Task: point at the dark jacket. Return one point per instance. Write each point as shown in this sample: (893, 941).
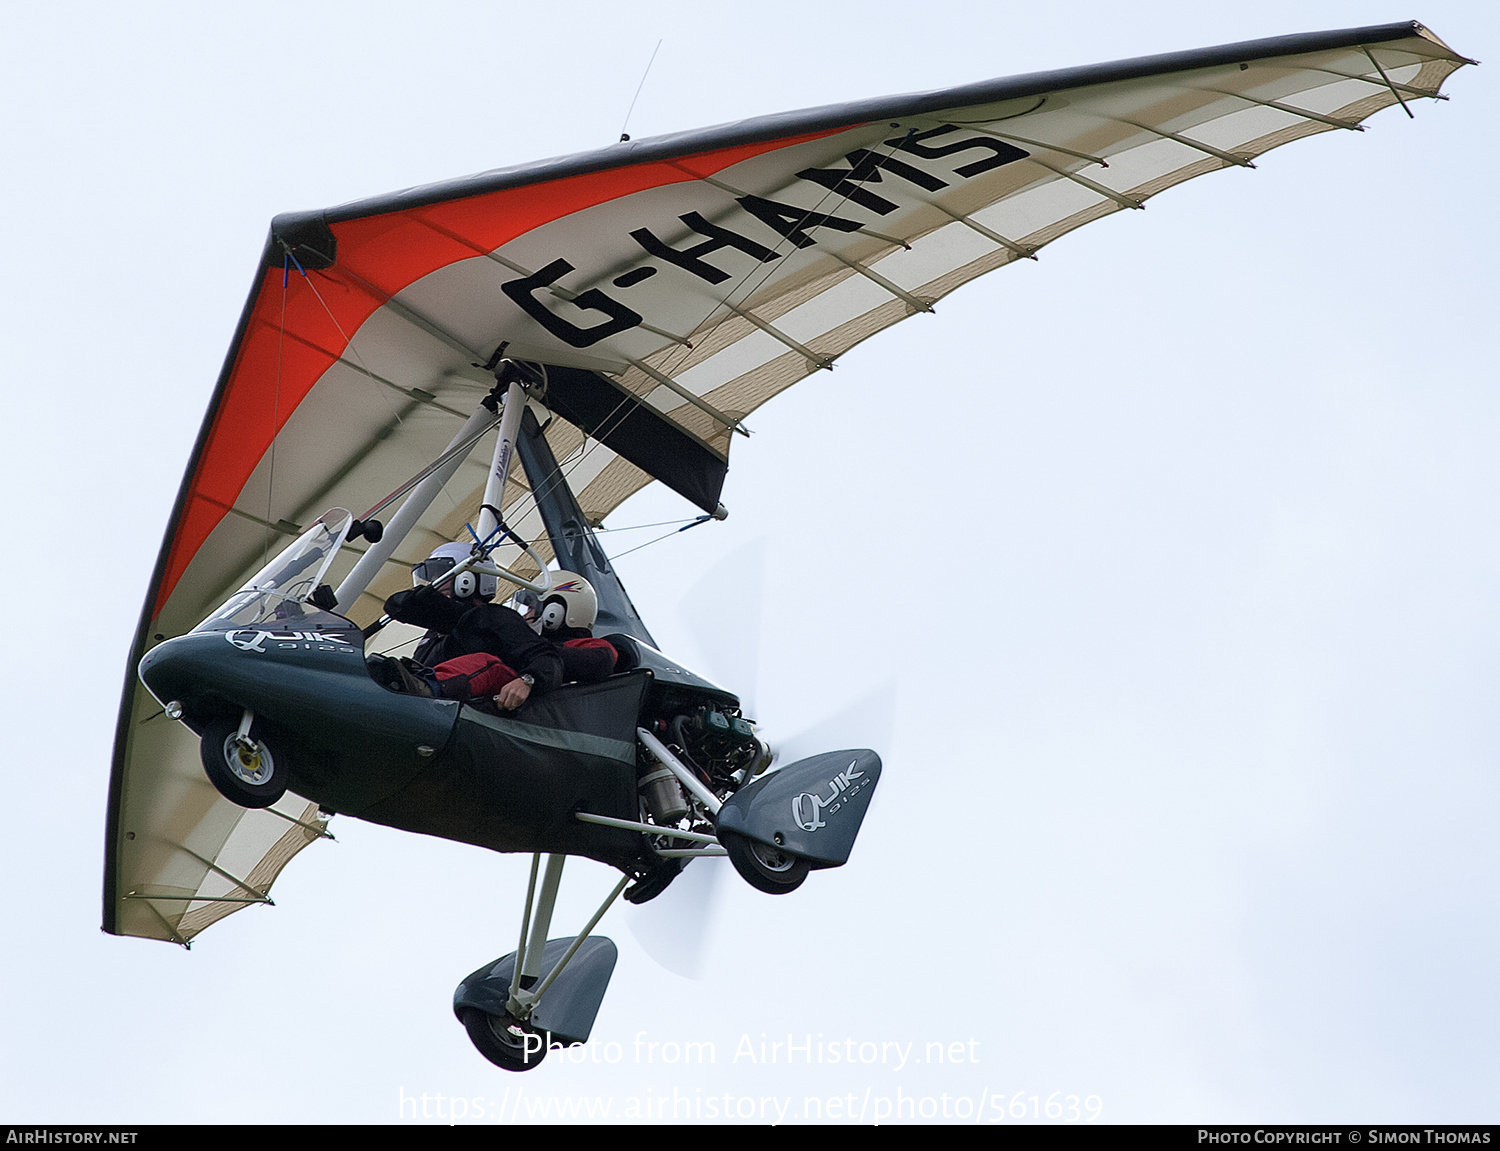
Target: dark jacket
(585, 659)
(468, 627)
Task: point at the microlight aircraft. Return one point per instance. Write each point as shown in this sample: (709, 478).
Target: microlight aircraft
(609, 319)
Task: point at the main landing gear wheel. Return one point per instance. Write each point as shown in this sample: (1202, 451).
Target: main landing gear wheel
(764, 867)
(246, 773)
(503, 1041)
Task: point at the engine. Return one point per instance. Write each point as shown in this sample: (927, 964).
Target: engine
(716, 743)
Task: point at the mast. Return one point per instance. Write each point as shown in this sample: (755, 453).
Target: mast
(573, 541)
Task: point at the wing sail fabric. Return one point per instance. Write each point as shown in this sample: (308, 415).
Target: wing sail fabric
(684, 281)
(194, 857)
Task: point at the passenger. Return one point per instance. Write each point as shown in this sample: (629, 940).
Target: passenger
(460, 620)
(565, 615)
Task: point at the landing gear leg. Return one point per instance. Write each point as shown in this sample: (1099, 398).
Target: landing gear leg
(509, 1039)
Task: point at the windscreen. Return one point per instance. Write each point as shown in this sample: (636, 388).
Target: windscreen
(277, 594)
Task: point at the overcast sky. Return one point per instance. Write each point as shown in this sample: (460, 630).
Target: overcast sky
(1162, 571)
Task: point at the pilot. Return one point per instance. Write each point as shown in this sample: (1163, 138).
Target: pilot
(461, 620)
(565, 616)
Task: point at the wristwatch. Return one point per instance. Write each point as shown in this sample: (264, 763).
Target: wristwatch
(529, 680)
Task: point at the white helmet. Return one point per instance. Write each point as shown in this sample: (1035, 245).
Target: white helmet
(569, 602)
(444, 558)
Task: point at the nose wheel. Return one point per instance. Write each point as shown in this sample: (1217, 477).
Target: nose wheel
(241, 764)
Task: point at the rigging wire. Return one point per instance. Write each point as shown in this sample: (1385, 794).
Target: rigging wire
(658, 539)
(411, 643)
(681, 354)
(348, 343)
(560, 469)
(623, 135)
(564, 469)
(765, 269)
(565, 473)
(567, 467)
(265, 547)
(642, 527)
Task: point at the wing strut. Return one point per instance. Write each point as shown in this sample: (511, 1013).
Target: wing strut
(402, 522)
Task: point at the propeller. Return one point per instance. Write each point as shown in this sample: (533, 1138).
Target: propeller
(866, 721)
(675, 927)
(723, 611)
